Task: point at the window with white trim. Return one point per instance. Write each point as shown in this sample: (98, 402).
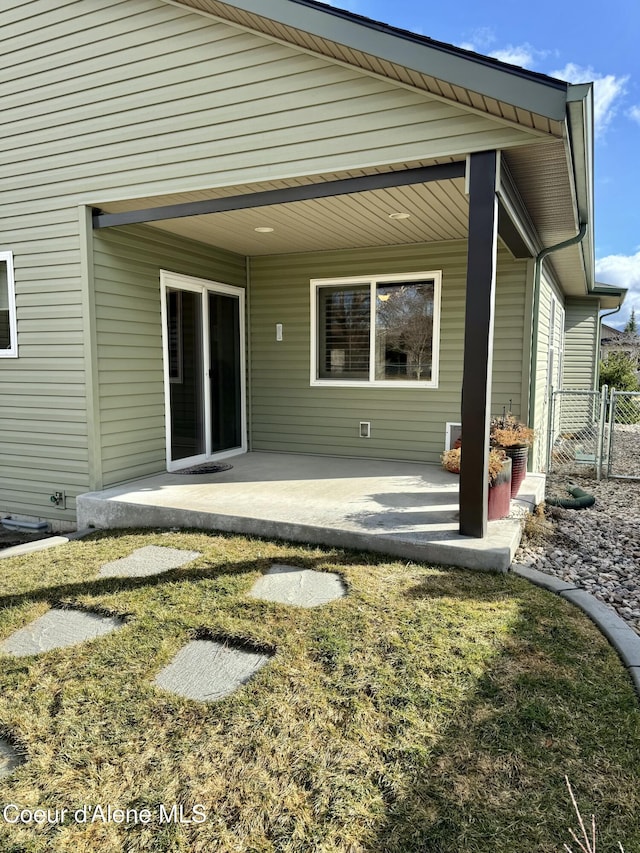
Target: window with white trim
(8, 328)
(376, 330)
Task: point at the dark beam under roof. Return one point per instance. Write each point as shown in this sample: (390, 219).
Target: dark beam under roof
(343, 186)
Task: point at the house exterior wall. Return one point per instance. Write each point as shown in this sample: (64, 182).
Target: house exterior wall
(130, 383)
(543, 378)
(291, 416)
(180, 101)
(43, 434)
(581, 344)
(287, 414)
(104, 101)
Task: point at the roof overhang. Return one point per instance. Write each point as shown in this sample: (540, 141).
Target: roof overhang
(580, 149)
(535, 92)
(400, 54)
(610, 296)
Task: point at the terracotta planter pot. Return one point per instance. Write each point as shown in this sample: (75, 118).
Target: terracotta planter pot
(519, 455)
(500, 494)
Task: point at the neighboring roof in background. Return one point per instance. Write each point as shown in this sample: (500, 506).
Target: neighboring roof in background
(608, 333)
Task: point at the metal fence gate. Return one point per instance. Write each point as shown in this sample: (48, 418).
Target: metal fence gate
(576, 425)
(594, 433)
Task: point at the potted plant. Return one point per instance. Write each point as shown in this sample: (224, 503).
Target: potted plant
(499, 479)
(451, 460)
(515, 438)
(500, 468)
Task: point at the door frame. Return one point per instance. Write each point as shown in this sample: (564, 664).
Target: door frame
(179, 281)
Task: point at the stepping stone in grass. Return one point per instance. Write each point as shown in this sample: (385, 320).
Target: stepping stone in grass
(150, 560)
(58, 629)
(207, 670)
(9, 758)
(300, 587)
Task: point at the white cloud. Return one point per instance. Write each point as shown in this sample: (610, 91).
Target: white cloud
(522, 55)
(607, 91)
(623, 270)
(481, 37)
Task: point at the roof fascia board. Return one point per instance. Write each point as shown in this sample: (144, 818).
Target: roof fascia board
(544, 96)
(610, 296)
(580, 133)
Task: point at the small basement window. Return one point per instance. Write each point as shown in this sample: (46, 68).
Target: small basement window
(8, 333)
(376, 330)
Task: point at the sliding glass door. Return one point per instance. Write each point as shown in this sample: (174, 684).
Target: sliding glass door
(203, 335)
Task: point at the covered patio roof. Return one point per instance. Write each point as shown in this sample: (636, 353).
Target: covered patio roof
(330, 218)
(548, 159)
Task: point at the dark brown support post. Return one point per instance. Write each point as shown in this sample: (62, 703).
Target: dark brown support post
(478, 342)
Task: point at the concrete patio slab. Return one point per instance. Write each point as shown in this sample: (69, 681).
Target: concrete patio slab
(206, 670)
(58, 629)
(150, 560)
(405, 509)
(298, 587)
(9, 758)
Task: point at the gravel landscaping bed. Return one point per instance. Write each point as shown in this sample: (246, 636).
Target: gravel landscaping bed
(597, 549)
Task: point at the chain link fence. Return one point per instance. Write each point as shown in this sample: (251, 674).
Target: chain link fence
(623, 435)
(594, 433)
(576, 423)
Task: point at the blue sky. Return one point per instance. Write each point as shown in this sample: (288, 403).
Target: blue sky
(589, 41)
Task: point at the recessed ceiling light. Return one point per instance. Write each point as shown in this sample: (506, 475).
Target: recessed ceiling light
(399, 215)
(263, 229)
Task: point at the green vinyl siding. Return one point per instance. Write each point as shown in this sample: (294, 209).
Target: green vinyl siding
(183, 101)
(543, 383)
(291, 416)
(126, 264)
(581, 345)
(43, 432)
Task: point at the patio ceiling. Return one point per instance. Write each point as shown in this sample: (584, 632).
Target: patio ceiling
(437, 211)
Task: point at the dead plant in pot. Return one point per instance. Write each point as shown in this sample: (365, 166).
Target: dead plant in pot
(507, 431)
(497, 456)
(515, 438)
(499, 475)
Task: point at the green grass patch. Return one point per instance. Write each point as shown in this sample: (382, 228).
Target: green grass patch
(428, 710)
